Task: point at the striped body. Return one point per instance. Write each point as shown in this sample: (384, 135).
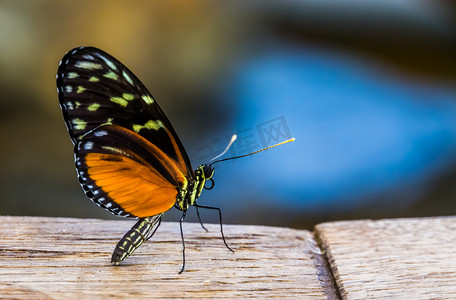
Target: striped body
(137, 235)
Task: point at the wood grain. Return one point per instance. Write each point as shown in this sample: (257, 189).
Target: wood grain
(392, 259)
(42, 258)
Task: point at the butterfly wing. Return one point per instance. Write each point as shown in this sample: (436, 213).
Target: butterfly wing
(95, 88)
(128, 156)
(125, 173)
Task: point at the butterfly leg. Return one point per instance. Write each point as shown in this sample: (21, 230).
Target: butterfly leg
(199, 218)
(183, 242)
(221, 223)
(153, 232)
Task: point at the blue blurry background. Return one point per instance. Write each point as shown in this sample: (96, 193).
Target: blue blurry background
(366, 88)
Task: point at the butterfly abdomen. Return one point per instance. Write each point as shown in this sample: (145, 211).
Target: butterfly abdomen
(137, 235)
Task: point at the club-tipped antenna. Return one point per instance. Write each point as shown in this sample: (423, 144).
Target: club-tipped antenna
(255, 152)
(233, 138)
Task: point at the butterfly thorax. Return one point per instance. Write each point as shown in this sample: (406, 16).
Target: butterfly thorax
(191, 191)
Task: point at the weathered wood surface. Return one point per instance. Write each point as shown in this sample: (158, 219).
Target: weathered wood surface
(392, 259)
(42, 258)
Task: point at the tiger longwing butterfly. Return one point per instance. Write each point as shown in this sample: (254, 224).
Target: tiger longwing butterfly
(128, 157)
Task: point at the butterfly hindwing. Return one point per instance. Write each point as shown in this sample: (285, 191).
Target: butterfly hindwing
(95, 88)
(125, 173)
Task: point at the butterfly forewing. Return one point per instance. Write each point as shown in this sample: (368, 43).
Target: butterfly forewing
(95, 88)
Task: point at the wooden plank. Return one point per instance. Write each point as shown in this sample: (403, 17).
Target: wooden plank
(392, 259)
(42, 258)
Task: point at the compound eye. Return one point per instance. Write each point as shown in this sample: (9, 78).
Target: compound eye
(208, 171)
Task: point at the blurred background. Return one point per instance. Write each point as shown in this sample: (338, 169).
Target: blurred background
(367, 88)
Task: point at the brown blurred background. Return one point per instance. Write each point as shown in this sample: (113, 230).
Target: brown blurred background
(198, 57)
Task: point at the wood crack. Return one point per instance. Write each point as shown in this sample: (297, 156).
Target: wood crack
(324, 271)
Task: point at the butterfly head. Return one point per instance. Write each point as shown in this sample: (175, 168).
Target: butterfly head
(203, 173)
(208, 171)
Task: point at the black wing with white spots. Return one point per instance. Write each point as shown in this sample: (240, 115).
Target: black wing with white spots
(95, 89)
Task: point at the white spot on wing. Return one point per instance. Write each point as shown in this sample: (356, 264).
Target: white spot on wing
(88, 146)
(108, 62)
(127, 78)
(100, 133)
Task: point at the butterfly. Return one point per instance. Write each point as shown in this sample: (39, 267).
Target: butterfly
(128, 157)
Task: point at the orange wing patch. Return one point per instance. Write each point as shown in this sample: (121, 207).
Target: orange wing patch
(139, 190)
(126, 174)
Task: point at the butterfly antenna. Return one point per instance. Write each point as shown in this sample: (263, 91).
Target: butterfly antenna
(233, 138)
(255, 152)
